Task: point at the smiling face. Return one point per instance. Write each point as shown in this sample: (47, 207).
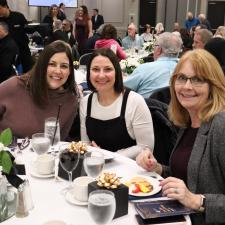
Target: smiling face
(191, 97)
(58, 70)
(102, 74)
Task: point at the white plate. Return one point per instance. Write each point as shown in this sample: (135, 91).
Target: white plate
(108, 156)
(154, 182)
(72, 200)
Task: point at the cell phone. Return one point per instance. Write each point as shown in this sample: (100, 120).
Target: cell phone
(162, 220)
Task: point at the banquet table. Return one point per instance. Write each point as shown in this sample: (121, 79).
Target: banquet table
(50, 203)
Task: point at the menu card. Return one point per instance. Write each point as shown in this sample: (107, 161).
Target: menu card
(161, 208)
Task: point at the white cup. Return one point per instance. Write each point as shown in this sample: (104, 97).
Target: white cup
(44, 164)
(54, 222)
(80, 188)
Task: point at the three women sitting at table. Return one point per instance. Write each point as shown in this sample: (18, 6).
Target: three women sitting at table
(197, 162)
(26, 101)
(113, 117)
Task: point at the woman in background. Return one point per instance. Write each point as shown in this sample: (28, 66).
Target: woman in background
(108, 40)
(26, 101)
(197, 162)
(113, 117)
(82, 28)
(147, 35)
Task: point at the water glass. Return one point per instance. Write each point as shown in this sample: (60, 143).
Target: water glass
(52, 128)
(93, 163)
(102, 206)
(40, 143)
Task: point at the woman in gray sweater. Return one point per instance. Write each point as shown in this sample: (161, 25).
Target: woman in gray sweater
(197, 162)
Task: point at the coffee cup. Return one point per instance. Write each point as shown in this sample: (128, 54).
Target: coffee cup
(80, 188)
(44, 164)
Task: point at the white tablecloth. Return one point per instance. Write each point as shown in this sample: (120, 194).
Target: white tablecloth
(50, 204)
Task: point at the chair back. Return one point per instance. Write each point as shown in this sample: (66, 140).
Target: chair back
(162, 95)
(84, 59)
(165, 131)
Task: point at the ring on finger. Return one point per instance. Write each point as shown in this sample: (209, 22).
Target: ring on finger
(176, 190)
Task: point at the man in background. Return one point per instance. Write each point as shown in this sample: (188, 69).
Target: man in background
(61, 12)
(132, 40)
(9, 53)
(151, 76)
(201, 37)
(191, 21)
(16, 23)
(97, 20)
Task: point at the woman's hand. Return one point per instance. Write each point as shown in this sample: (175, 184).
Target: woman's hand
(175, 188)
(147, 161)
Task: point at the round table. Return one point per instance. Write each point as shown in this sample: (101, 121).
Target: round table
(50, 204)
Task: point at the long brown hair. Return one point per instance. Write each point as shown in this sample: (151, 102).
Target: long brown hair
(36, 80)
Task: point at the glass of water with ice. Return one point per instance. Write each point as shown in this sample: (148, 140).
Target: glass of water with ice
(40, 143)
(102, 206)
(93, 163)
(52, 127)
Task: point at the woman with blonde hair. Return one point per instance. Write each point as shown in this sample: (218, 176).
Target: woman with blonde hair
(220, 32)
(197, 162)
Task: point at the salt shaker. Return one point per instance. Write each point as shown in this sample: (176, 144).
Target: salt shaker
(28, 197)
(21, 208)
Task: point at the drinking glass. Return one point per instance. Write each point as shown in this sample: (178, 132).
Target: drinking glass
(40, 143)
(69, 161)
(102, 206)
(52, 128)
(93, 163)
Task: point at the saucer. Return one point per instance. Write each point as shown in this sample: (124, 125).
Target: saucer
(35, 174)
(72, 200)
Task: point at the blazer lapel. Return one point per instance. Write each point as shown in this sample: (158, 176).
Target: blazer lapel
(196, 156)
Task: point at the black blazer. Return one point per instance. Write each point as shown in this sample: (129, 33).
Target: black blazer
(96, 24)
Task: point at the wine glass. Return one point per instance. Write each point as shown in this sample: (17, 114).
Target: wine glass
(93, 163)
(102, 206)
(68, 160)
(40, 143)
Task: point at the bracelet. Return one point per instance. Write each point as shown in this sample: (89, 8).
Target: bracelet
(202, 204)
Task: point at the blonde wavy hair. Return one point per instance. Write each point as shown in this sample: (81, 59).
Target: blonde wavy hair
(205, 65)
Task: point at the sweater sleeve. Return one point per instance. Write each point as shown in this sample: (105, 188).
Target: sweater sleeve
(120, 53)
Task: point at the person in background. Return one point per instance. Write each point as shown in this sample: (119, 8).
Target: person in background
(147, 35)
(8, 53)
(61, 12)
(52, 16)
(132, 40)
(216, 46)
(176, 26)
(112, 117)
(220, 32)
(191, 21)
(67, 27)
(96, 36)
(16, 23)
(26, 101)
(197, 106)
(159, 29)
(187, 40)
(82, 28)
(108, 40)
(204, 21)
(201, 37)
(148, 77)
(58, 33)
(97, 20)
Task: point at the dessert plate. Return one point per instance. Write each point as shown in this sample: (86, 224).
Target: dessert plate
(72, 200)
(152, 181)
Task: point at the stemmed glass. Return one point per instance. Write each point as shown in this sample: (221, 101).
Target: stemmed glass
(102, 206)
(69, 161)
(93, 163)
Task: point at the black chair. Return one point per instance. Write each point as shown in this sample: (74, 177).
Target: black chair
(162, 95)
(165, 131)
(84, 59)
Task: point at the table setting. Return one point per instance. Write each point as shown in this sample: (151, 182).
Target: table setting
(47, 196)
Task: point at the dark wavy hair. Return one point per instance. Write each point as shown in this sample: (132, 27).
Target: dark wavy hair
(36, 80)
(108, 53)
(109, 32)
